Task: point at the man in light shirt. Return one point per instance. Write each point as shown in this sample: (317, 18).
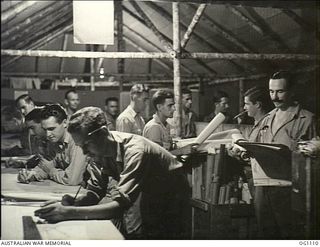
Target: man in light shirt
(130, 120)
(157, 129)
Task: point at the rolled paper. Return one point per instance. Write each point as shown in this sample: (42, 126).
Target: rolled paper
(207, 131)
(226, 134)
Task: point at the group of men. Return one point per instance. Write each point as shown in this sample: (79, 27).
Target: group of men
(134, 180)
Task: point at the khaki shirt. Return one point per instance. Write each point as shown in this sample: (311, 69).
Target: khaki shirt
(298, 127)
(157, 132)
(138, 165)
(68, 162)
(130, 122)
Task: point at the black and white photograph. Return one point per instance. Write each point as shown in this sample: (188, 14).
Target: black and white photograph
(160, 120)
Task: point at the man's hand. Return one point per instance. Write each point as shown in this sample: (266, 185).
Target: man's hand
(25, 176)
(238, 153)
(52, 213)
(47, 166)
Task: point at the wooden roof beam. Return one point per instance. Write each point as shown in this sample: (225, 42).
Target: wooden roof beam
(267, 29)
(245, 18)
(41, 42)
(139, 19)
(228, 56)
(22, 25)
(46, 29)
(157, 48)
(168, 17)
(193, 24)
(152, 27)
(300, 21)
(37, 27)
(12, 12)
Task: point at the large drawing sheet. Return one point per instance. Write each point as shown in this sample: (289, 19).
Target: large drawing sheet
(271, 163)
(12, 227)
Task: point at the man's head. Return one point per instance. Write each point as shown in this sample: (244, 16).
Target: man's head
(186, 99)
(25, 104)
(54, 122)
(221, 102)
(281, 89)
(33, 123)
(163, 102)
(71, 99)
(256, 100)
(139, 95)
(112, 106)
(88, 129)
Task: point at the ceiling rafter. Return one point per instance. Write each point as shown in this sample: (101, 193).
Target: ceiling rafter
(300, 21)
(29, 20)
(157, 48)
(268, 30)
(196, 35)
(38, 27)
(139, 19)
(12, 12)
(48, 38)
(195, 20)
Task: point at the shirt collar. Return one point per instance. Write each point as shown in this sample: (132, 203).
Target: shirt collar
(131, 111)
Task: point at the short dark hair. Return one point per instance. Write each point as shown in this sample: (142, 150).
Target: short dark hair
(160, 96)
(259, 94)
(111, 99)
(25, 97)
(54, 110)
(219, 95)
(34, 115)
(186, 91)
(286, 75)
(72, 90)
(88, 119)
(138, 89)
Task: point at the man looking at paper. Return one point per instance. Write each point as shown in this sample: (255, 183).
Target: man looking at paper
(149, 194)
(287, 124)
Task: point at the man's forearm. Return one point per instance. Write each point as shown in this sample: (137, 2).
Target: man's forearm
(97, 212)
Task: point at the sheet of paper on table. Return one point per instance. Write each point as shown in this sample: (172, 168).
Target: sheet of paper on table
(12, 227)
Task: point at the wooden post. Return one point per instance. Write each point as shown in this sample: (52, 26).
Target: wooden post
(64, 48)
(241, 92)
(176, 67)
(92, 70)
(120, 42)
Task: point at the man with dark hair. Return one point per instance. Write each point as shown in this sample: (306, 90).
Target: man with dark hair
(257, 104)
(221, 104)
(68, 163)
(130, 120)
(25, 104)
(111, 111)
(72, 101)
(149, 181)
(188, 116)
(157, 129)
(287, 124)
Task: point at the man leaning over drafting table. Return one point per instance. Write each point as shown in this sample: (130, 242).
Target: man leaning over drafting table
(68, 163)
(149, 184)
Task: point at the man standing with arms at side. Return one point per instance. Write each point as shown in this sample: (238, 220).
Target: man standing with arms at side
(130, 120)
(287, 124)
(72, 101)
(188, 116)
(158, 129)
(111, 112)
